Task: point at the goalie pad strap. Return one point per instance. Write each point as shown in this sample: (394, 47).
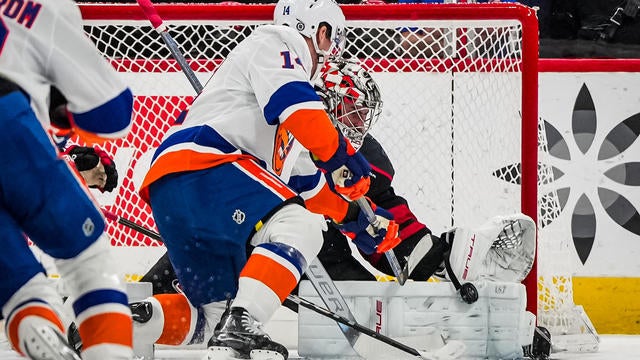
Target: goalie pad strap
(427, 257)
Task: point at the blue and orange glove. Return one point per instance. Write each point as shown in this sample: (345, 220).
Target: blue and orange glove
(349, 170)
(370, 240)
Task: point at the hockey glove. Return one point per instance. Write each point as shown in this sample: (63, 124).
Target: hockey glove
(349, 170)
(366, 238)
(109, 169)
(87, 158)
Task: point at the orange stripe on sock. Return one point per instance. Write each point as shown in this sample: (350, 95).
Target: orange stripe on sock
(177, 318)
(40, 311)
(268, 271)
(109, 328)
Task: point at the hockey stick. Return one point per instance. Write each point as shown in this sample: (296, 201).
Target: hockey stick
(128, 223)
(316, 273)
(157, 23)
(330, 295)
(400, 273)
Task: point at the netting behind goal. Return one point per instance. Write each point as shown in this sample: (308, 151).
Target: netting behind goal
(459, 85)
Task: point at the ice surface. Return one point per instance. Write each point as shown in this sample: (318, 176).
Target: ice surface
(612, 347)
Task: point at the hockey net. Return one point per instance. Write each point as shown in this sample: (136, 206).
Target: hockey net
(459, 85)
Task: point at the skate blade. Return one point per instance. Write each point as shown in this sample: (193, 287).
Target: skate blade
(452, 350)
(266, 355)
(221, 353)
(227, 353)
(47, 344)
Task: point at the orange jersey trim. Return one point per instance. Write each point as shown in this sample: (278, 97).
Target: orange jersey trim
(313, 129)
(183, 160)
(326, 202)
(269, 272)
(274, 182)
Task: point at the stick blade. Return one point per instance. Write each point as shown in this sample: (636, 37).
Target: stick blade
(452, 350)
(426, 346)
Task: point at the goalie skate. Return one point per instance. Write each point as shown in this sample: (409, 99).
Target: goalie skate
(44, 343)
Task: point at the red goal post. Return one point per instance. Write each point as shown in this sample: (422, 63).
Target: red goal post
(460, 121)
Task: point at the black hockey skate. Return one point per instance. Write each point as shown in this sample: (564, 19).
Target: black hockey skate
(540, 348)
(73, 337)
(241, 334)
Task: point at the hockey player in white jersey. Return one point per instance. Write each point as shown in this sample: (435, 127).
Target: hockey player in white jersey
(503, 249)
(230, 176)
(42, 44)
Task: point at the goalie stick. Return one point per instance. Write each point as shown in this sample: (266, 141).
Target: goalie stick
(330, 295)
(320, 280)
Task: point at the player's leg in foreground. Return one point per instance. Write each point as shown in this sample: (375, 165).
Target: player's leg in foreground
(42, 198)
(209, 221)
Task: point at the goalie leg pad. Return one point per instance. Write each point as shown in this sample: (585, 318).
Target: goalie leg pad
(495, 326)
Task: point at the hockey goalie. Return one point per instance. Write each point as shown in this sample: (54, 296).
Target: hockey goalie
(479, 299)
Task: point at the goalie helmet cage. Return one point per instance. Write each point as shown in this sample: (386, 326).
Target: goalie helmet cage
(459, 84)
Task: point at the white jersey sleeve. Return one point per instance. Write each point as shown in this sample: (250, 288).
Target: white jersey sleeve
(281, 80)
(44, 45)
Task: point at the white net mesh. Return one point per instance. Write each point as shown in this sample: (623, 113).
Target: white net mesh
(452, 85)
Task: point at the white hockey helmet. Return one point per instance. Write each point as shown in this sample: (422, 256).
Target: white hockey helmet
(306, 16)
(351, 97)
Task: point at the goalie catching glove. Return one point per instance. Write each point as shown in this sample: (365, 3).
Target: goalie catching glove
(349, 170)
(88, 159)
(503, 248)
(365, 236)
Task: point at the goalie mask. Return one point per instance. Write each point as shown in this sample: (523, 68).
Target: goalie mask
(351, 97)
